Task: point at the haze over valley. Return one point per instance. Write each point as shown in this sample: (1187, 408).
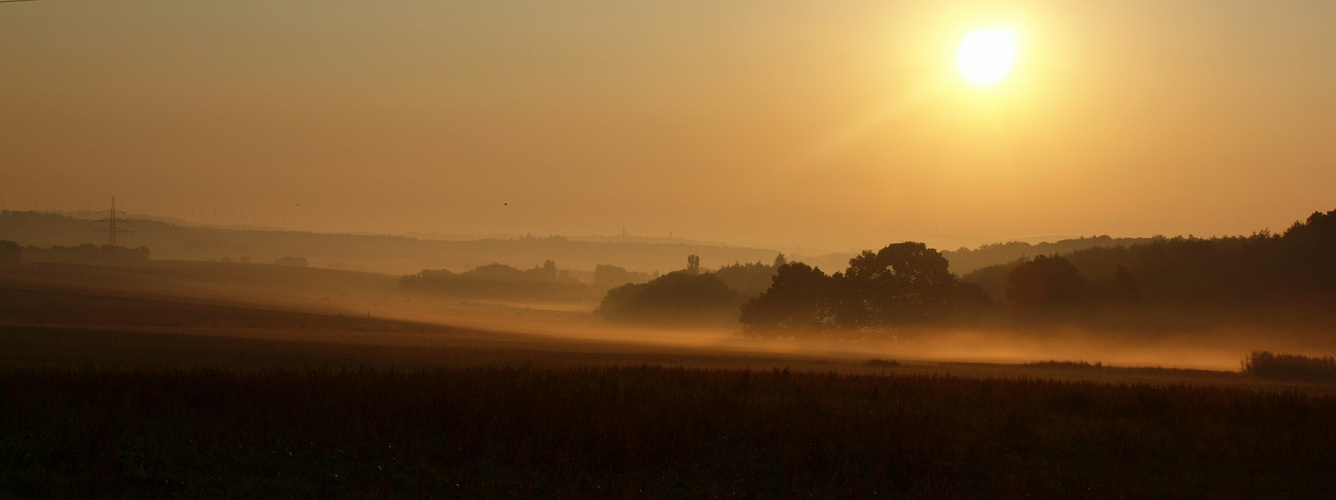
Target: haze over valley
(637, 249)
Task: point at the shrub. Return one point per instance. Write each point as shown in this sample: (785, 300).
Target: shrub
(678, 297)
(1266, 364)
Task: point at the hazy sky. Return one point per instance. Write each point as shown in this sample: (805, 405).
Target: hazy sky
(833, 124)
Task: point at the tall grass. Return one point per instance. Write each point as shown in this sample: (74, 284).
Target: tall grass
(646, 432)
(1289, 366)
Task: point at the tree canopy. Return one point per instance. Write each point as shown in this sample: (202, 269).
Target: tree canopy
(679, 297)
(901, 284)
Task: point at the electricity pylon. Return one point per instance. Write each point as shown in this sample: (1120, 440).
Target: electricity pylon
(111, 221)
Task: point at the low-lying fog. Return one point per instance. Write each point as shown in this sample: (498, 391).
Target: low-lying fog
(1218, 349)
(574, 326)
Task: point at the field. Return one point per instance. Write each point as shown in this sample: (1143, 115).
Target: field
(192, 380)
(648, 432)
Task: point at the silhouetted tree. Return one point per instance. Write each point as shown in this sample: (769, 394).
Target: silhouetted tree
(780, 260)
(901, 283)
(800, 298)
(1267, 364)
(748, 279)
(500, 280)
(693, 264)
(1046, 283)
(1310, 249)
(498, 272)
(1230, 274)
(674, 298)
(607, 276)
(1122, 289)
(548, 270)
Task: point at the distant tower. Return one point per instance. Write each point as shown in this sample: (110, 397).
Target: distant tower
(111, 221)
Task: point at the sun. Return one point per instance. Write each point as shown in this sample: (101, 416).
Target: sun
(985, 56)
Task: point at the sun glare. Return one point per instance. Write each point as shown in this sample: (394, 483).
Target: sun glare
(985, 56)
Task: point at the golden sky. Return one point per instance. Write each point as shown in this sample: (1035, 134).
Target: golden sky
(837, 124)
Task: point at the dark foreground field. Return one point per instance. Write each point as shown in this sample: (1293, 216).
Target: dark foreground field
(182, 380)
(647, 432)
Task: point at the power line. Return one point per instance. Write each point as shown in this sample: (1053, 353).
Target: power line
(111, 219)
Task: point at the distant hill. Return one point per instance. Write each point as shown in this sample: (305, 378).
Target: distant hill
(173, 239)
(386, 254)
(965, 260)
(1295, 267)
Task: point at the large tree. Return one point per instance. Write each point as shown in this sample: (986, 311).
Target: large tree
(800, 297)
(902, 283)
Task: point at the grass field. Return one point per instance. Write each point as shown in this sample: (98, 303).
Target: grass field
(126, 385)
(647, 432)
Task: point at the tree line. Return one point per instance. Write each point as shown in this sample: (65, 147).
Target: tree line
(500, 281)
(1294, 270)
(901, 284)
(691, 295)
(13, 253)
(908, 284)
